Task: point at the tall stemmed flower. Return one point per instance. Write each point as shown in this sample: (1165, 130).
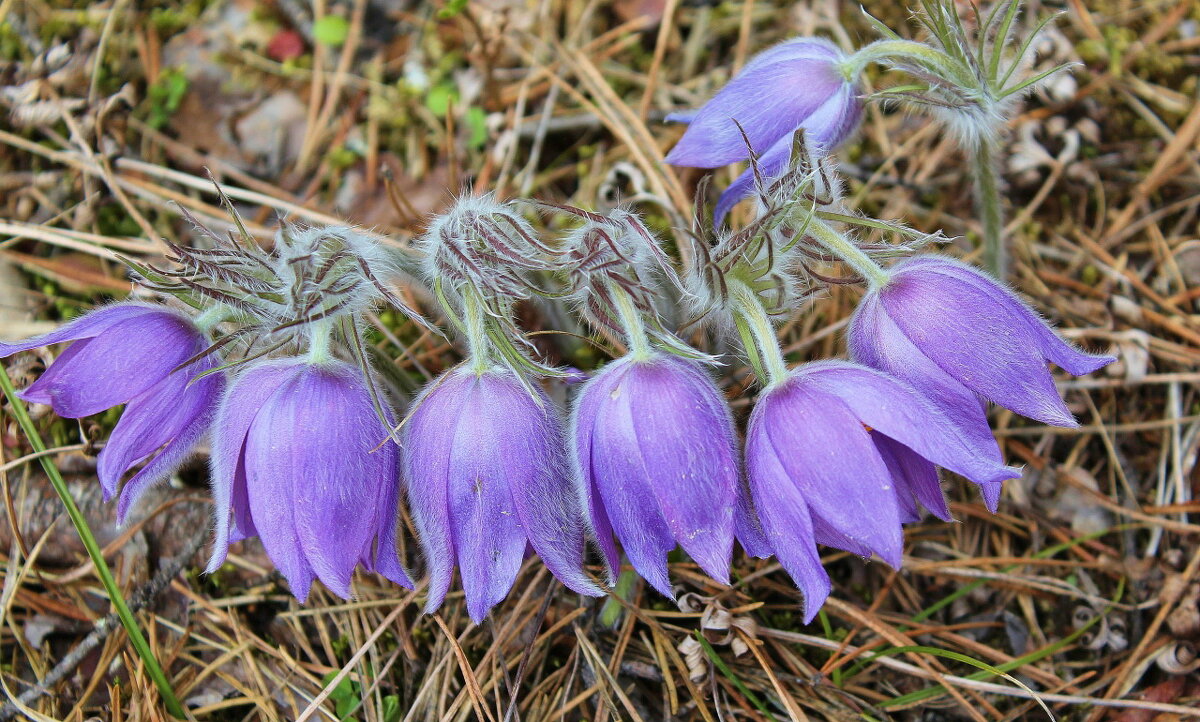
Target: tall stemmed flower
(964, 339)
(971, 81)
(483, 449)
(152, 358)
(796, 84)
(301, 453)
(653, 447)
(836, 453)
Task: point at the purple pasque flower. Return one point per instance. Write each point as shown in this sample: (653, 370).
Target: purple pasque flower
(960, 338)
(486, 471)
(832, 457)
(655, 456)
(131, 353)
(302, 460)
(796, 84)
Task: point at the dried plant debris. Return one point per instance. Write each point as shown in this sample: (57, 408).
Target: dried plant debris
(1077, 599)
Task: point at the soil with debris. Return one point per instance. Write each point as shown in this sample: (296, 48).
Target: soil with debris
(1084, 588)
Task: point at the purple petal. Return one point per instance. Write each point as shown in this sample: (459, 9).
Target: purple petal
(41, 391)
(1053, 348)
(747, 527)
(896, 410)
(530, 434)
(785, 517)
(915, 477)
(827, 128)
(126, 359)
(987, 346)
(686, 441)
(831, 459)
(384, 558)
(428, 448)
(682, 116)
(584, 413)
(236, 412)
(768, 99)
(319, 433)
(623, 481)
(170, 419)
(88, 325)
(876, 341)
(484, 469)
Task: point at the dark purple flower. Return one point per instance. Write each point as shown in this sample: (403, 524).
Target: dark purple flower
(130, 353)
(301, 459)
(796, 84)
(486, 472)
(960, 338)
(832, 457)
(655, 455)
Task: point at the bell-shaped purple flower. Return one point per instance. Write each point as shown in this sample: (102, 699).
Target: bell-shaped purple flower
(486, 471)
(655, 456)
(835, 455)
(960, 338)
(130, 353)
(302, 460)
(796, 84)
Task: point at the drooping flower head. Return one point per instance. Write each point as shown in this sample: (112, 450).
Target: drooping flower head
(486, 471)
(301, 459)
(962, 338)
(484, 447)
(839, 454)
(653, 447)
(478, 260)
(147, 356)
(796, 84)
(655, 454)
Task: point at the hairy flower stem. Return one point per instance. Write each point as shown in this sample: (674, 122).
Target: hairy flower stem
(758, 335)
(882, 50)
(93, 549)
(475, 329)
(320, 336)
(631, 321)
(987, 201)
(208, 320)
(850, 254)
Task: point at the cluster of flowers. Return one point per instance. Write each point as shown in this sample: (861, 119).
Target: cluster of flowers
(307, 453)
(311, 453)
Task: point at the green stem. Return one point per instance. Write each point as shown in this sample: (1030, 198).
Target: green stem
(920, 53)
(752, 320)
(475, 329)
(850, 254)
(320, 336)
(93, 549)
(207, 320)
(631, 320)
(987, 201)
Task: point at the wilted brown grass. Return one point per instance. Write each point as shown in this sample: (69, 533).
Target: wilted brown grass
(1084, 588)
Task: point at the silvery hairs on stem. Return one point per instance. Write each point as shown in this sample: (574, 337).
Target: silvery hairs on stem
(615, 268)
(479, 259)
(312, 282)
(970, 79)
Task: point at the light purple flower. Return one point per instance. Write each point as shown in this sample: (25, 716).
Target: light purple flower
(829, 456)
(301, 459)
(796, 84)
(486, 471)
(130, 353)
(655, 456)
(960, 338)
